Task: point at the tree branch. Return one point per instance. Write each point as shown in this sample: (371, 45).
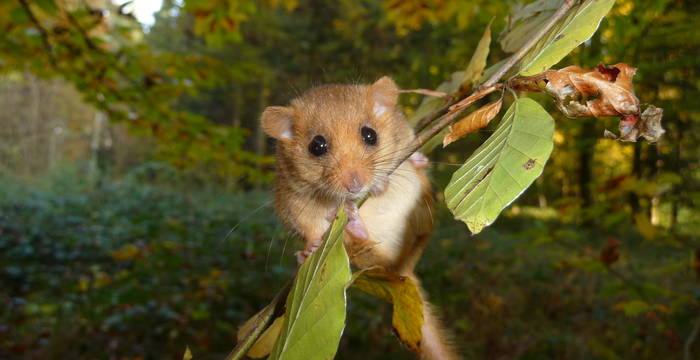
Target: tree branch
(493, 79)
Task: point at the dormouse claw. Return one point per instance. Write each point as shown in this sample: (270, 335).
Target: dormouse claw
(310, 248)
(418, 160)
(355, 226)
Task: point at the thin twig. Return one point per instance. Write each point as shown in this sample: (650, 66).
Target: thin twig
(488, 86)
(493, 79)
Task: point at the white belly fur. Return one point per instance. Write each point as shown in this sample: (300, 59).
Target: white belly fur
(386, 215)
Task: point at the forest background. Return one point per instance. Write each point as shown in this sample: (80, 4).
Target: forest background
(135, 204)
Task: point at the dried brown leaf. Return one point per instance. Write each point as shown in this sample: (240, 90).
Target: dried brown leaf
(472, 122)
(602, 91)
(650, 125)
(611, 88)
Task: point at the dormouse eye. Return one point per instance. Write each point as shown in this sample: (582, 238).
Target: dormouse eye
(369, 136)
(318, 146)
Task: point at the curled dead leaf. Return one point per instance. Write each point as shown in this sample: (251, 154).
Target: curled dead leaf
(602, 91)
(472, 122)
(599, 92)
(650, 126)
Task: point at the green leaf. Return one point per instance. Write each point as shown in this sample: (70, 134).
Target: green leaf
(524, 22)
(478, 61)
(578, 27)
(315, 315)
(402, 292)
(502, 167)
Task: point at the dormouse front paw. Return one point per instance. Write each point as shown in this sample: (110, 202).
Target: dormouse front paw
(418, 160)
(310, 248)
(355, 227)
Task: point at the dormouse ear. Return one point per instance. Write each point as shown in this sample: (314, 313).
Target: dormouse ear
(384, 94)
(277, 122)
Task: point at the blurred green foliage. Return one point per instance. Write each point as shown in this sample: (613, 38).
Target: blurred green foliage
(139, 269)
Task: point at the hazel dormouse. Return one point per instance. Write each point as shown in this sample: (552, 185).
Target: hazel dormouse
(335, 144)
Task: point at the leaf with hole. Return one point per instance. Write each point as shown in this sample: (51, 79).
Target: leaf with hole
(503, 167)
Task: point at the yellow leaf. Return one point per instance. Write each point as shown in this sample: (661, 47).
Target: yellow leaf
(645, 226)
(472, 122)
(248, 325)
(407, 318)
(266, 341)
(188, 354)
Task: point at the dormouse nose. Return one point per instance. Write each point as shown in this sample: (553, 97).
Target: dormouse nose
(353, 181)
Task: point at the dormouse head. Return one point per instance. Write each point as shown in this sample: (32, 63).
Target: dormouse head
(339, 141)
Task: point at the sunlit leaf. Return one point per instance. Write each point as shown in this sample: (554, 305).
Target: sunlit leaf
(577, 28)
(402, 292)
(315, 315)
(502, 167)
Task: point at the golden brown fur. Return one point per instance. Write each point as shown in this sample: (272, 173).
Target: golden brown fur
(308, 188)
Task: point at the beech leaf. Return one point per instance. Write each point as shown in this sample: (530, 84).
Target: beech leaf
(472, 122)
(578, 27)
(603, 91)
(524, 22)
(315, 316)
(478, 61)
(503, 167)
(402, 292)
